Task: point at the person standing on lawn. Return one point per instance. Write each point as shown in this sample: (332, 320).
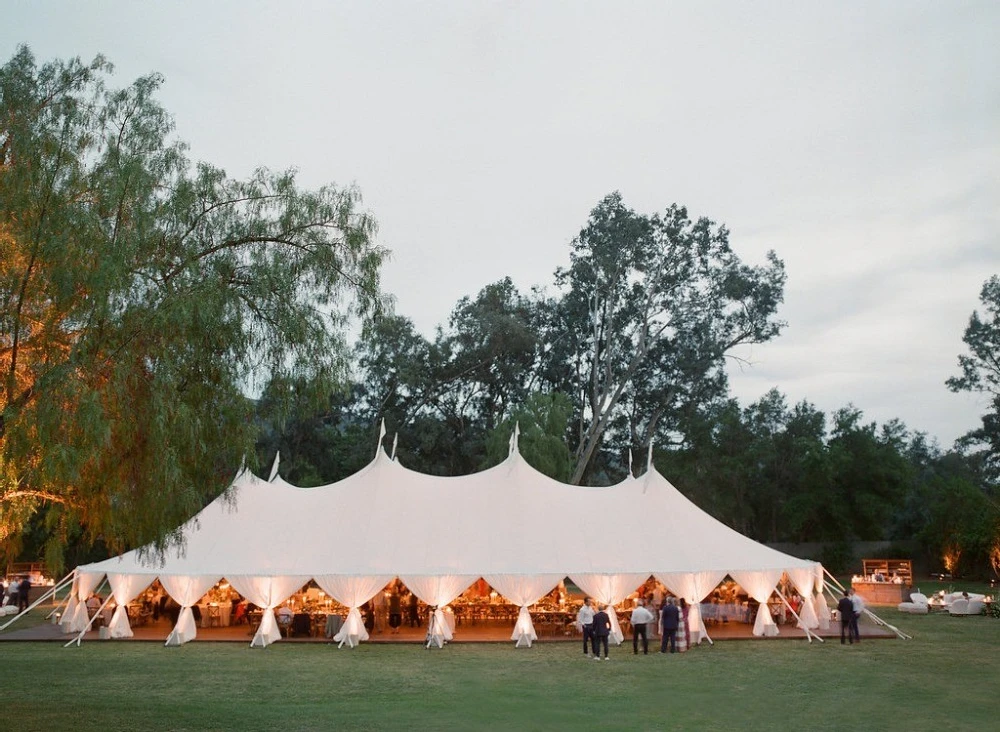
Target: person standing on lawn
(23, 590)
(684, 631)
(640, 617)
(585, 617)
(858, 603)
(602, 628)
(846, 609)
(670, 620)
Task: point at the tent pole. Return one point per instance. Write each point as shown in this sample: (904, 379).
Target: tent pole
(809, 633)
(839, 586)
(66, 600)
(869, 613)
(90, 622)
(35, 604)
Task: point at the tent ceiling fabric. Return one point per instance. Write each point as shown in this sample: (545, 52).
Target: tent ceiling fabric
(507, 520)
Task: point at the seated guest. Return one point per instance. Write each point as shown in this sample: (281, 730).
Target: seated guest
(94, 603)
(301, 625)
(285, 613)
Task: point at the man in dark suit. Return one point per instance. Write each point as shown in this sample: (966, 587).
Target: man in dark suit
(23, 591)
(846, 609)
(602, 628)
(670, 620)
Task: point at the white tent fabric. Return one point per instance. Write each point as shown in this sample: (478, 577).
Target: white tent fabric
(440, 534)
(266, 593)
(610, 589)
(353, 592)
(523, 590)
(822, 609)
(438, 592)
(186, 590)
(125, 588)
(760, 585)
(86, 583)
(804, 579)
(67, 619)
(693, 587)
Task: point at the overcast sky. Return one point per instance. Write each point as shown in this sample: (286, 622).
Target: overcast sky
(860, 141)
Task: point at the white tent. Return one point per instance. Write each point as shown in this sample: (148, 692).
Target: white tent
(515, 527)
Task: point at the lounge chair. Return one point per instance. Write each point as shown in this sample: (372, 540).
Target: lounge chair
(959, 607)
(916, 605)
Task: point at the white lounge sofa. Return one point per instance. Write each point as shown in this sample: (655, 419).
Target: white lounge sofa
(917, 604)
(961, 606)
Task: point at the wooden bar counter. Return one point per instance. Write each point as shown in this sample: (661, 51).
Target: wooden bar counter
(882, 593)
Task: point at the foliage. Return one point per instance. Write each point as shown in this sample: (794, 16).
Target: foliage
(651, 307)
(837, 556)
(543, 422)
(140, 296)
(980, 372)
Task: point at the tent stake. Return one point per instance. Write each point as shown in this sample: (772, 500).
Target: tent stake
(37, 602)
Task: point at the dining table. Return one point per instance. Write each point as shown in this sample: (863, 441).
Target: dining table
(215, 614)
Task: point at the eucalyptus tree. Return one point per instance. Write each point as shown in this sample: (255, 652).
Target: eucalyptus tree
(980, 369)
(650, 308)
(140, 296)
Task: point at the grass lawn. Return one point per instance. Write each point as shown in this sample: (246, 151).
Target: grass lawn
(947, 676)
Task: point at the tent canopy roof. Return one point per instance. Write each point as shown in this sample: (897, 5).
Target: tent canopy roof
(509, 519)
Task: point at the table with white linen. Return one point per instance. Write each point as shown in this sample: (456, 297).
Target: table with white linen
(216, 614)
(724, 612)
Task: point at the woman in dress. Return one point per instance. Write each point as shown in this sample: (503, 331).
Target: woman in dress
(684, 639)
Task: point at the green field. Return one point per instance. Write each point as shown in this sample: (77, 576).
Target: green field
(946, 677)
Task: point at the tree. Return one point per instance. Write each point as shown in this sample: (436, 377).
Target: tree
(981, 372)
(542, 421)
(443, 397)
(140, 296)
(651, 308)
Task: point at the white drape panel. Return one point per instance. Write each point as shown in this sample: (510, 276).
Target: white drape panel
(69, 611)
(266, 593)
(66, 621)
(125, 588)
(610, 589)
(186, 591)
(693, 587)
(523, 590)
(438, 591)
(759, 585)
(822, 609)
(352, 591)
(804, 579)
(86, 583)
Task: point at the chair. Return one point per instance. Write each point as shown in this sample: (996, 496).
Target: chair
(214, 616)
(959, 607)
(917, 604)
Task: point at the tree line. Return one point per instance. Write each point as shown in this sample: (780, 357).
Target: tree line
(144, 296)
(773, 471)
